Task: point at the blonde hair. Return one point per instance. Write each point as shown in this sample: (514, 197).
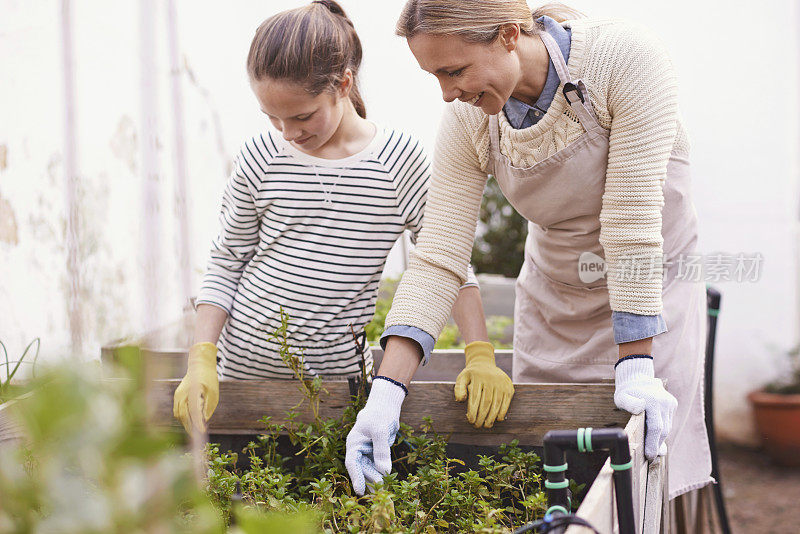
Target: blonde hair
(476, 21)
(312, 45)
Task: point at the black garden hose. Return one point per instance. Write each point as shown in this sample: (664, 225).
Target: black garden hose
(713, 299)
(555, 522)
(556, 442)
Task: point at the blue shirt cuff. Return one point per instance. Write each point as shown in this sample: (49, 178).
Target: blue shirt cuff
(633, 327)
(423, 339)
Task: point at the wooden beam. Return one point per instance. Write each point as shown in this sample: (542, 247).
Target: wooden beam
(656, 496)
(536, 408)
(10, 430)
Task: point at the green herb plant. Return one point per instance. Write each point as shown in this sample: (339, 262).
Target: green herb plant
(309, 387)
(7, 391)
(382, 306)
(500, 238)
(497, 327)
(790, 384)
(426, 492)
(83, 459)
(87, 461)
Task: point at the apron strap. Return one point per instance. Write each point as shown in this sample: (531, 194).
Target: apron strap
(494, 142)
(574, 90)
(556, 57)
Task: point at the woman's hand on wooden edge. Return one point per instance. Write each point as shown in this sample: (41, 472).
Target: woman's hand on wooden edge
(488, 388)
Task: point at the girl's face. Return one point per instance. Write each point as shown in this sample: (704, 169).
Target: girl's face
(305, 120)
(482, 74)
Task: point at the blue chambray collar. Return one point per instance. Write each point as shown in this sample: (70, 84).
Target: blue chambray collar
(517, 111)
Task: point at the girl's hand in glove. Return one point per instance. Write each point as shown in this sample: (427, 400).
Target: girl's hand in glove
(637, 391)
(197, 395)
(368, 455)
(490, 390)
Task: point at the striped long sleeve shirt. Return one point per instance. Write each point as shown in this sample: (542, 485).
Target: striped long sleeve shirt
(309, 236)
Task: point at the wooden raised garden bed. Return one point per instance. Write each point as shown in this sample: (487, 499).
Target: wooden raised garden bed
(535, 410)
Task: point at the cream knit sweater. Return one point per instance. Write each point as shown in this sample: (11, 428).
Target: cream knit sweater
(633, 91)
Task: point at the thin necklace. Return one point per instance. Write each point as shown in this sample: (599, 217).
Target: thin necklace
(325, 191)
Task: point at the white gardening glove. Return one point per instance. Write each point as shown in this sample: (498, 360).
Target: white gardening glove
(638, 390)
(368, 456)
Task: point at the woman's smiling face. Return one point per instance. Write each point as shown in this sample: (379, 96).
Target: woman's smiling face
(483, 74)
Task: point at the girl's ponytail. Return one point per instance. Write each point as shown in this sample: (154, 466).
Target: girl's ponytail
(333, 7)
(311, 45)
(355, 93)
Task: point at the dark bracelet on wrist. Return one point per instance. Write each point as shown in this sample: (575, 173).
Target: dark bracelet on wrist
(632, 357)
(393, 381)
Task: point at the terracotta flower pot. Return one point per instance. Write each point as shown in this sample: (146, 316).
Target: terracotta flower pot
(778, 422)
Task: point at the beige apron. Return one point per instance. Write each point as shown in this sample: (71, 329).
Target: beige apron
(563, 330)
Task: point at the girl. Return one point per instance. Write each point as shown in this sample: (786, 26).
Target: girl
(578, 121)
(308, 218)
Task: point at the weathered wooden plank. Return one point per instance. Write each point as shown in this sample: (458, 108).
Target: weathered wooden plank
(655, 496)
(536, 408)
(10, 430)
(638, 473)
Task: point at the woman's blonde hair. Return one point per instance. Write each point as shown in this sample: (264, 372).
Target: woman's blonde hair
(476, 21)
(312, 45)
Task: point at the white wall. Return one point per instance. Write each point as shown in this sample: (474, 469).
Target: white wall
(738, 64)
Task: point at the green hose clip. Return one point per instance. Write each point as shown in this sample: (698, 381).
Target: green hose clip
(556, 508)
(585, 439)
(713, 312)
(556, 485)
(622, 467)
(555, 468)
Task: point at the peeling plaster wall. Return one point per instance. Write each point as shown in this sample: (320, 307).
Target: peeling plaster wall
(33, 284)
(742, 118)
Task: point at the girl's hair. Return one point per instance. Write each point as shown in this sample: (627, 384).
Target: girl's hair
(476, 21)
(311, 45)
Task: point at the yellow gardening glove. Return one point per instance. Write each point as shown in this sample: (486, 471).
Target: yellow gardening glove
(197, 395)
(490, 389)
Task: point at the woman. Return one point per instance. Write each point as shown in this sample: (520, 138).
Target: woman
(308, 219)
(578, 122)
